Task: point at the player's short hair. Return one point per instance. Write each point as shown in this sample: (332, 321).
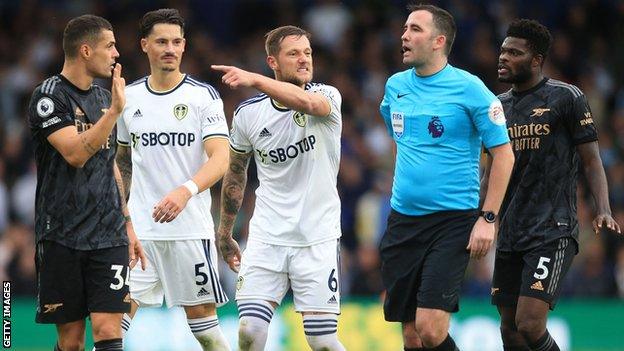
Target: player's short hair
(80, 30)
(536, 34)
(442, 20)
(275, 37)
(152, 18)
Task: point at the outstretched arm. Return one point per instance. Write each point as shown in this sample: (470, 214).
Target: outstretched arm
(232, 193)
(592, 166)
(290, 95)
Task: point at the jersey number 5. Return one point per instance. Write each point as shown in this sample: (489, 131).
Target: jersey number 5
(540, 265)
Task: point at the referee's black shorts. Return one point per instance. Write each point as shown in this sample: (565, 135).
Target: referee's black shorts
(424, 259)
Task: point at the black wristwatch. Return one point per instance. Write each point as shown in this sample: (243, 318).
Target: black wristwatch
(489, 216)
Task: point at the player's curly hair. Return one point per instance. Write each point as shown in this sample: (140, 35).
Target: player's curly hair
(83, 29)
(537, 35)
(150, 19)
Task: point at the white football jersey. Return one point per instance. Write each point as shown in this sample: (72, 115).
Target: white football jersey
(297, 157)
(166, 133)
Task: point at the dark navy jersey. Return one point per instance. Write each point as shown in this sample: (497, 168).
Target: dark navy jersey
(76, 207)
(545, 125)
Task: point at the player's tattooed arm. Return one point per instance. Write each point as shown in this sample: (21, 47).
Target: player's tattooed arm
(121, 188)
(233, 190)
(232, 193)
(124, 163)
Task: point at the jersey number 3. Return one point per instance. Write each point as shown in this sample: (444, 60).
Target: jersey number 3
(119, 280)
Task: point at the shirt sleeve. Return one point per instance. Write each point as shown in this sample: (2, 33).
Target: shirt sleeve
(239, 142)
(213, 123)
(487, 114)
(578, 119)
(123, 136)
(384, 109)
(335, 100)
(48, 113)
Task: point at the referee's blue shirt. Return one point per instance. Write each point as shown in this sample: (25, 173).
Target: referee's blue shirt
(438, 123)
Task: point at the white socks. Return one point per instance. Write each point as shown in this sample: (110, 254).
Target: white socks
(320, 331)
(207, 332)
(253, 326)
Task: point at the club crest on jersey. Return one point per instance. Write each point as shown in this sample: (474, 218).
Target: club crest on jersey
(300, 119)
(45, 107)
(397, 124)
(180, 111)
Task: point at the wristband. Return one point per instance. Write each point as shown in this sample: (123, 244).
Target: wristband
(191, 186)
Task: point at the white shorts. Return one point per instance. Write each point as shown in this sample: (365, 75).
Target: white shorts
(184, 272)
(312, 272)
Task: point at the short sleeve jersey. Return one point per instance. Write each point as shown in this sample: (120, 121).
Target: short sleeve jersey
(76, 207)
(297, 156)
(166, 133)
(439, 123)
(545, 125)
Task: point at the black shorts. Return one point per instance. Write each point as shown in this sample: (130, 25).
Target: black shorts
(73, 283)
(534, 273)
(424, 259)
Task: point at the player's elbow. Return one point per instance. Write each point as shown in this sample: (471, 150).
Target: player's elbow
(74, 158)
(75, 161)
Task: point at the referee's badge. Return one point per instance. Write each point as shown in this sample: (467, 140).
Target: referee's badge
(397, 123)
(180, 111)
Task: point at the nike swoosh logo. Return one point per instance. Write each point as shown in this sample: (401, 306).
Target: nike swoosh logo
(399, 95)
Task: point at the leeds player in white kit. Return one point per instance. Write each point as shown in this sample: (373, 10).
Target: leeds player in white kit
(175, 131)
(293, 132)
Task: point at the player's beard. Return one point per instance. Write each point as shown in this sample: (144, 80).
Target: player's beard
(521, 75)
(294, 79)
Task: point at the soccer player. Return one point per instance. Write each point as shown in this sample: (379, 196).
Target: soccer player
(438, 116)
(552, 132)
(84, 243)
(173, 140)
(293, 132)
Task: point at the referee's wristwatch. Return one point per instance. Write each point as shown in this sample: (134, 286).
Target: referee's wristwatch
(489, 216)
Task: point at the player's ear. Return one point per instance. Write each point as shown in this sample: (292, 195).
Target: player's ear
(537, 61)
(272, 62)
(84, 51)
(144, 45)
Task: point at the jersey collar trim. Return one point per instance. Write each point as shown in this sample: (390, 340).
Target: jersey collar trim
(276, 105)
(529, 91)
(166, 91)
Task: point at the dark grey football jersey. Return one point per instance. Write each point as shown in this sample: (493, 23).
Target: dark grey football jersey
(545, 125)
(77, 207)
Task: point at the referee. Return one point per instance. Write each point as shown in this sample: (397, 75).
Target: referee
(438, 116)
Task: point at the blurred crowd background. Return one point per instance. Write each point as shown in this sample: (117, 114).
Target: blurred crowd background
(356, 48)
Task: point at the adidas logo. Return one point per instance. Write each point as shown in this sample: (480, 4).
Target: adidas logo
(137, 113)
(265, 133)
(537, 286)
(203, 292)
(332, 300)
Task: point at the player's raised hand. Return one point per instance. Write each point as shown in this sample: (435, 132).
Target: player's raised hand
(171, 205)
(230, 251)
(481, 238)
(235, 77)
(135, 250)
(607, 219)
(118, 100)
